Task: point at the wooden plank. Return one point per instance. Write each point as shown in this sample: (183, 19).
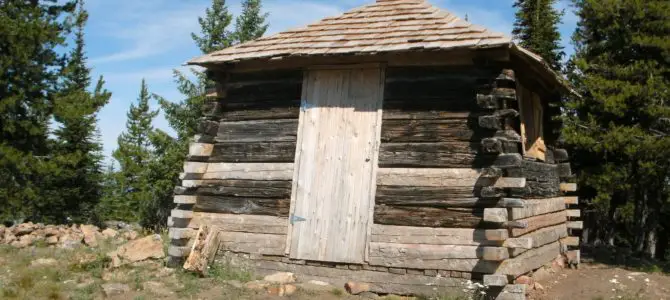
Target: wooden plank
(185, 199)
(576, 225)
(572, 241)
(241, 223)
(537, 207)
(272, 130)
(574, 213)
(203, 251)
(547, 235)
(242, 205)
(437, 236)
(435, 252)
(509, 182)
(571, 200)
(423, 131)
(200, 150)
(195, 167)
(495, 280)
(429, 216)
(434, 155)
(335, 178)
(246, 188)
(537, 222)
(529, 260)
(250, 171)
(496, 215)
(182, 214)
(428, 177)
(258, 152)
(471, 265)
(523, 243)
(252, 243)
(568, 187)
(452, 197)
(261, 109)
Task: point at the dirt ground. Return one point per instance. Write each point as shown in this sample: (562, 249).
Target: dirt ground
(599, 281)
(48, 273)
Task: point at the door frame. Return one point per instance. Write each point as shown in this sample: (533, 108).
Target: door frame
(375, 157)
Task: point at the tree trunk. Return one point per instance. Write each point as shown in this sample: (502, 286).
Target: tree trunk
(652, 241)
(662, 246)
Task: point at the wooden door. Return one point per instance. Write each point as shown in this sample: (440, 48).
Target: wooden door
(336, 163)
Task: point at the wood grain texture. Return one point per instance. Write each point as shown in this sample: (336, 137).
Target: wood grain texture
(435, 252)
(249, 171)
(429, 216)
(574, 213)
(537, 207)
(537, 222)
(430, 131)
(576, 225)
(253, 243)
(243, 205)
(272, 130)
(203, 251)
(571, 200)
(259, 152)
(246, 188)
(338, 138)
(472, 265)
(572, 241)
(437, 236)
(422, 177)
(241, 223)
(547, 235)
(529, 260)
(434, 155)
(568, 187)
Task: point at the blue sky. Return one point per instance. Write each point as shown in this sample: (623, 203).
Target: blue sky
(133, 39)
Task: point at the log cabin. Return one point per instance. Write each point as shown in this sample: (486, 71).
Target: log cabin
(396, 145)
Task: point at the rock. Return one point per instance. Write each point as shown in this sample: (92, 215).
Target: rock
(356, 288)
(541, 275)
(9, 237)
(70, 240)
(43, 262)
(257, 285)
(156, 288)
(282, 290)
(281, 277)
(138, 250)
(2, 231)
(524, 280)
(51, 231)
(52, 240)
(234, 283)
(24, 241)
(110, 233)
(23, 229)
(164, 272)
(315, 286)
(321, 283)
(85, 283)
(130, 235)
(113, 289)
(538, 286)
(91, 235)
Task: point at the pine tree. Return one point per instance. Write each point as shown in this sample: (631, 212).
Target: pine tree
(30, 32)
(536, 29)
(134, 155)
(620, 128)
(77, 150)
(251, 24)
(215, 35)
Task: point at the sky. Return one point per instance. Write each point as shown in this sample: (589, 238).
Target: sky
(128, 40)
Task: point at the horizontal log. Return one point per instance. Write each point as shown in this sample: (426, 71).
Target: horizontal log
(273, 130)
(252, 243)
(195, 167)
(181, 214)
(246, 188)
(429, 114)
(522, 243)
(181, 233)
(197, 151)
(277, 108)
(561, 155)
(564, 170)
(447, 155)
(264, 91)
(423, 131)
(241, 223)
(185, 199)
(529, 260)
(428, 177)
(537, 207)
(430, 217)
(574, 213)
(568, 187)
(571, 200)
(496, 215)
(537, 222)
(470, 265)
(572, 241)
(394, 251)
(290, 76)
(239, 205)
(576, 225)
(505, 161)
(547, 235)
(509, 182)
(250, 171)
(437, 236)
(535, 171)
(179, 251)
(271, 152)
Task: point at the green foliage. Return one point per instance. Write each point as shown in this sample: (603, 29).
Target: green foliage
(30, 32)
(619, 130)
(251, 23)
(536, 29)
(215, 35)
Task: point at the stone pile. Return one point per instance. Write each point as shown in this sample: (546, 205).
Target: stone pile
(62, 236)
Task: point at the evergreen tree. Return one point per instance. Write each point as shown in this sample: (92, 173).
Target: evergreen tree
(77, 150)
(620, 128)
(30, 31)
(251, 24)
(134, 155)
(536, 29)
(215, 35)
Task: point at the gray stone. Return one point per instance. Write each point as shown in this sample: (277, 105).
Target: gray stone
(281, 277)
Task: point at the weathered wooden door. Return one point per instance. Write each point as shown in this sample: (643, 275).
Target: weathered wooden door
(336, 159)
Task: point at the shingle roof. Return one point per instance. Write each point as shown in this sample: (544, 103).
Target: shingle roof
(383, 26)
